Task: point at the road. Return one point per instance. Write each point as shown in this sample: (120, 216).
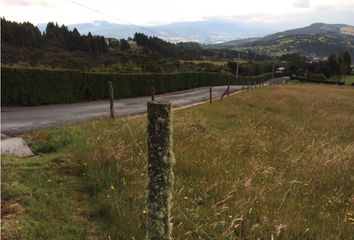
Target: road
(19, 120)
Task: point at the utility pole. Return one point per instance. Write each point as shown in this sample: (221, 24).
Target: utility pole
(238, 63)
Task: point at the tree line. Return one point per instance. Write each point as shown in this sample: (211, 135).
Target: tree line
(336, 65)
(27, 35)
(181, 50)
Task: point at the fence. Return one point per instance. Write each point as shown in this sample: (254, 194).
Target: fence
(30, 86)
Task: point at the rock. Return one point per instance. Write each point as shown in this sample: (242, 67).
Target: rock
(15, 146)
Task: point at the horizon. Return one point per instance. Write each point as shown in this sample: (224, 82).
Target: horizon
(148, 30)
(163, 24)
(288, 13)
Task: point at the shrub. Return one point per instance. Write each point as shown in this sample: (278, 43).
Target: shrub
(318, 77)
(29, 86)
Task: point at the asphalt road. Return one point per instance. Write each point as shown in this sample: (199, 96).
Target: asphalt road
(19, 120)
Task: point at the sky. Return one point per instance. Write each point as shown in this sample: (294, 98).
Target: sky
(156, 12)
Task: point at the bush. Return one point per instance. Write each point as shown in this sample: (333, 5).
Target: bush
(28, 86)
(318, 77)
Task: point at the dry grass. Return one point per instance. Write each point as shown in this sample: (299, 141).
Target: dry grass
(273, 163)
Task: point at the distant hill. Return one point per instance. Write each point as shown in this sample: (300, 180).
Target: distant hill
(211, 31)
(231, 44)
(317, 40)
(335, 31)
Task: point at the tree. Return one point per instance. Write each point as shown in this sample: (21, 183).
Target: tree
(347, 61)
(232, 67)
(333, 64)
(124, 45)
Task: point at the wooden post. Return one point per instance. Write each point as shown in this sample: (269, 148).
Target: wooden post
(228, 89)
(111, 98)
(273, 71)
(160, 173)
(152, 94)
(210, 95)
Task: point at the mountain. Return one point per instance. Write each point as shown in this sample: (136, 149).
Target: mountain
(209, 31)
(334, 31)
(231, 44)
(316, 40)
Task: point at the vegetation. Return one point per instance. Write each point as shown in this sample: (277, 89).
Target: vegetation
(270, 163)
(25, 86)
(349, 80)
(315, 41)
(26, 34)
(166, 49)
(36, 86)
(333, 69)
(23, 45)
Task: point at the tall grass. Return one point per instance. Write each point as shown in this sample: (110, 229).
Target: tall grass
(273, 163)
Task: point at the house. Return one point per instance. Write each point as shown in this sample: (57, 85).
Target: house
(280, 70)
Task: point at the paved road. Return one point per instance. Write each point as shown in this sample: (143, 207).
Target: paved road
(18, 120)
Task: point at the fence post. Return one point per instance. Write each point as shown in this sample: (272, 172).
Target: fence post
(160, 173)
(111, 97)
(228, 89)
(153, 94)
(210, 95)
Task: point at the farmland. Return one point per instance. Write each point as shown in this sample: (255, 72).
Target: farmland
(272, 162)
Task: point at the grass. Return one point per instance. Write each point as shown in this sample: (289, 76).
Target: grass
(276, 162)
(218, 63)
(349, 80)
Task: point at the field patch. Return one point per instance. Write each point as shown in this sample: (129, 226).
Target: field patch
(271, 163)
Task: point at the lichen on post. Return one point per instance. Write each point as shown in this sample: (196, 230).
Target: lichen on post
(160, 172)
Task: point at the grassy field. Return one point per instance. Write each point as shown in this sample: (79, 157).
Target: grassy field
(219, 63)
(272, 163)
(349, 80)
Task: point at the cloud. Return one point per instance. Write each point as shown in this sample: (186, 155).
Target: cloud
(302, 3)
(25, 3)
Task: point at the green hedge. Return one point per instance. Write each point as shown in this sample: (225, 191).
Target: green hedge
(135, 85)
(26, 86)
(317, 78)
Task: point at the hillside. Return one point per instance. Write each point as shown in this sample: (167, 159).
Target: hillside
(263, 165)
(231, 44)
(316, 40)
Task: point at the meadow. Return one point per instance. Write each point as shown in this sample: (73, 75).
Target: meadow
(271, 163)
(349, 80)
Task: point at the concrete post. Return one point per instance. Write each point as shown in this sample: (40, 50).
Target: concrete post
(160, 173)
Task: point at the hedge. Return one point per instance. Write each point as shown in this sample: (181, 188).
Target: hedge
(28, 86)
(25, 86)
(317, 78)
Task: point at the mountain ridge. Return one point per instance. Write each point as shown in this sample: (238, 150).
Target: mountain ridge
(207, 32)
(316, 40)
